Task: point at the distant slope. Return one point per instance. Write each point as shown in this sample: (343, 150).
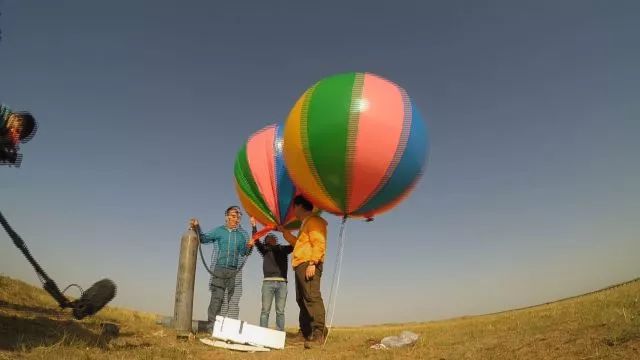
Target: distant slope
(600, 325)
(610, 287)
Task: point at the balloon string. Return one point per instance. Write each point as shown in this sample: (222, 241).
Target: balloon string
(336, 278)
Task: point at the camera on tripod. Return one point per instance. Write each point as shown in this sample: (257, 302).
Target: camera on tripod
(15, 128)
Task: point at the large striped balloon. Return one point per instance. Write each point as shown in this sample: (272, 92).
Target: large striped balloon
(262, 184)
(355, 144)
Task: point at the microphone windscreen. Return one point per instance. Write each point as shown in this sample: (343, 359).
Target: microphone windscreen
(94, 298)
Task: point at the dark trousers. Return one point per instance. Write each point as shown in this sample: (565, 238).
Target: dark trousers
(309, 300)
(221, 280)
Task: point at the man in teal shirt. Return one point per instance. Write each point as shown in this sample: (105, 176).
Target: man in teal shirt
(233, 244)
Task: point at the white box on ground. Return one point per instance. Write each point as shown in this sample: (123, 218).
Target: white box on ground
(241, 332)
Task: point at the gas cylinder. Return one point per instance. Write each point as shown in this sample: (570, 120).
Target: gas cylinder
(183, 309)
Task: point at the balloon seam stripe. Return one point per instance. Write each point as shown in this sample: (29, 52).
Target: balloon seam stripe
(402, 145)
(252, 202)
(352, 136)
(305, 149)
(403, 196)
(251, 185)
(257, 205)
(274, 178)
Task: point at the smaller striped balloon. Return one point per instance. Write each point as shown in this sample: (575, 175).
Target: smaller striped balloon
(355, 144)
(262, 184)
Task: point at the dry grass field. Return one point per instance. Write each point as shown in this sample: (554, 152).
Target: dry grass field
(600, 325)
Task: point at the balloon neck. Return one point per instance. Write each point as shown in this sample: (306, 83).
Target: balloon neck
(369, 219)
(262, 232)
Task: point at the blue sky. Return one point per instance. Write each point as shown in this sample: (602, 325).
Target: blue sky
(532, 191)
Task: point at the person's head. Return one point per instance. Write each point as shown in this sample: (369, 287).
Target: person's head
(271, 239)
(22, 124)
(302, 207)
(232, 215)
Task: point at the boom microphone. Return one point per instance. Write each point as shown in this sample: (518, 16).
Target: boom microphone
(90, 302)
(94, 299)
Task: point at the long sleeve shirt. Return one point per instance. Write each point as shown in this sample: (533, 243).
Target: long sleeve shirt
(311, 242)
(275, 260)
(232, 245)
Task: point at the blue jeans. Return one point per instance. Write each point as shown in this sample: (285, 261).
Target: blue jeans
(271, 289)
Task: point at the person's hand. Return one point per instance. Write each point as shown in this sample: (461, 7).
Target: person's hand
(311, 272)
(252, 220)
(251, 243)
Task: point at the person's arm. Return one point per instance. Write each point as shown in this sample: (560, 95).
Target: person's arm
(258, 244)
(209, 237)
(254, 227)
(243, 260)
(291, 239)
(287, 249)
(261, 248)
(205, 238)
(254, 230)
(246, 248)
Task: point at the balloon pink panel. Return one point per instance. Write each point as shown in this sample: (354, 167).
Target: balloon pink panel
(261, 157)
(378, 137)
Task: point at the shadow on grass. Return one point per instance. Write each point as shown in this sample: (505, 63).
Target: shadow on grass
(30, 309)
(17, 333)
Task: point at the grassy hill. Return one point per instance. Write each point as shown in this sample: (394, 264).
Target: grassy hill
(600, 325)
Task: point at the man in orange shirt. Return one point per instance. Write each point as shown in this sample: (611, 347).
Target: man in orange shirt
(309, 249)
